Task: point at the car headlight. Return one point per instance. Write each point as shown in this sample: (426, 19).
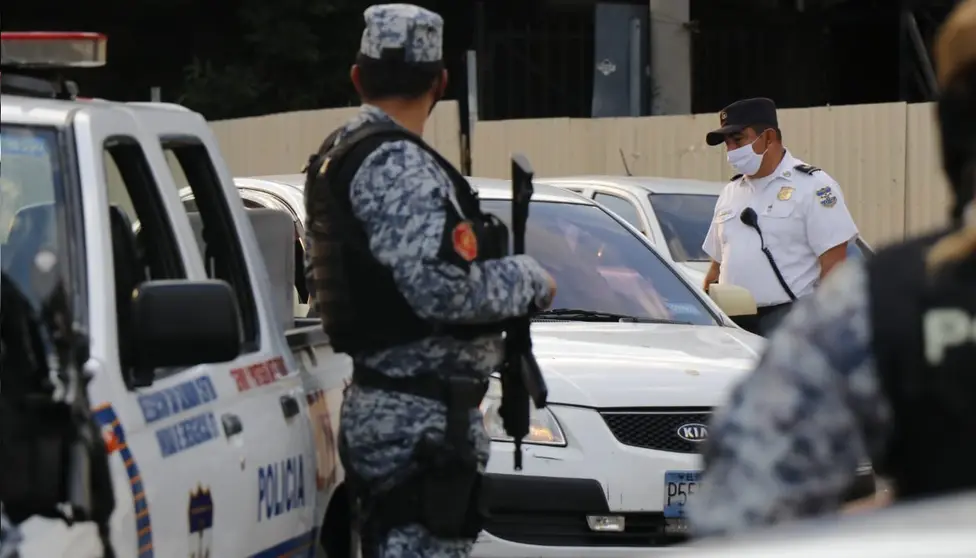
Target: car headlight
(543, 427)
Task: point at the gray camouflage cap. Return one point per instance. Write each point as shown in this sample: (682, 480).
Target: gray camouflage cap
(392, 29)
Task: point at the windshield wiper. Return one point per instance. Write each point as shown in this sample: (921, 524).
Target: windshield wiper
(581, 315)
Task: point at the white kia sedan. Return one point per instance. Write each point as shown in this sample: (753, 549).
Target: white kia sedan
(635, 358)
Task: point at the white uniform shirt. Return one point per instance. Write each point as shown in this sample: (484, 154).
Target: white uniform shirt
(801, 216)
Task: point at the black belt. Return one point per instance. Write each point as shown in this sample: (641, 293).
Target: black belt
(429, 386)
(459, 393)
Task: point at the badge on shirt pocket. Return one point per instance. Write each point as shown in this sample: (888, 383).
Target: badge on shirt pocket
(785, 193)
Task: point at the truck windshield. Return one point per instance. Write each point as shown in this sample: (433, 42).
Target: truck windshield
(30, 176)
(602, 267)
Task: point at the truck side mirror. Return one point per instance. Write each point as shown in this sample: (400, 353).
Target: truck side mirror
(177, 323)
(733, 299)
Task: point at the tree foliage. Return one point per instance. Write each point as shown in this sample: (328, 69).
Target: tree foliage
(288, 55)
(223, 58)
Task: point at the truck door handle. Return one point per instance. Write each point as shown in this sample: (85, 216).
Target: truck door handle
(232, 424)
(289, 406)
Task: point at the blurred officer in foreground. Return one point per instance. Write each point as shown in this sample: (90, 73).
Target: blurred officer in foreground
(410, 279)
(780, 225)
(9, 537)
(880, 362)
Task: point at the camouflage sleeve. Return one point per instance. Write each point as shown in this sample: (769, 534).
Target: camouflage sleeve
(10, 537)
(400, 196)
(792, 434)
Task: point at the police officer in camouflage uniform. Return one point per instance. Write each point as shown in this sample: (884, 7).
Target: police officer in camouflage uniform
(880, 362)
(412, 280)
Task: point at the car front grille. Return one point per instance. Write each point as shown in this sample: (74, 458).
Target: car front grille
(655, 428)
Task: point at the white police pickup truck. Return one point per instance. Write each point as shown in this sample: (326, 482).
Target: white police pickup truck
(217, 408)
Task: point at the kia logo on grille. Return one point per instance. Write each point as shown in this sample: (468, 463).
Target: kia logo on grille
(694, 432)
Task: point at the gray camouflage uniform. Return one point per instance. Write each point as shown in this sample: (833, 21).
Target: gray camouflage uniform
(792, 434)
(399, 194)
(9, 537)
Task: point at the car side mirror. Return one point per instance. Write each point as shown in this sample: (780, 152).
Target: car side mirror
(179, 323)
(733, 299)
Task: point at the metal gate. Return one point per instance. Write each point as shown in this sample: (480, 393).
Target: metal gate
(537, 64)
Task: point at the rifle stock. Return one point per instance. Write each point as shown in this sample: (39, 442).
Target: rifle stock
(521, 377)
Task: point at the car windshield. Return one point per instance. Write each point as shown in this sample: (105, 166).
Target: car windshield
(603, 271)
(29, 180)
(685, 219)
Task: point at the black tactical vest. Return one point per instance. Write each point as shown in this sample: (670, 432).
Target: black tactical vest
(924, 335)
(356, 296)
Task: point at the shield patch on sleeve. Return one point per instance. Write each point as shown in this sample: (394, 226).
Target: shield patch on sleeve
(465, 241)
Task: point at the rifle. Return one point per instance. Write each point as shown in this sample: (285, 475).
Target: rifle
(521, 376)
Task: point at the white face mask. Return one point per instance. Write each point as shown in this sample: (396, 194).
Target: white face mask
(745, 160)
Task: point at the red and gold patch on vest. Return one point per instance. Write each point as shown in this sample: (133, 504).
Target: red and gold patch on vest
(465, 242)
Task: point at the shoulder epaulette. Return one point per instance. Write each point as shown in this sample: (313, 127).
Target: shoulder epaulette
(736, 177)
(806, 169)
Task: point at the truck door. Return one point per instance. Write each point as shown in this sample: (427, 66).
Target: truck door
(273, 509)
(172, 461)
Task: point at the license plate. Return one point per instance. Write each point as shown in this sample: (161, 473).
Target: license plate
(679, 488)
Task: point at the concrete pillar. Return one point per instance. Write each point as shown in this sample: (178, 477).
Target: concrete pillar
(670, 56)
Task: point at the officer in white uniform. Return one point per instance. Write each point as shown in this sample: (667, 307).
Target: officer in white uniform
(780, 225)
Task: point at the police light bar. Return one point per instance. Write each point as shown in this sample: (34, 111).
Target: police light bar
(52, 49)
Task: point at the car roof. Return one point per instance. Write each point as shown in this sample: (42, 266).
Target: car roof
(292, 180)
(488, 188)
(643, 184)
(42, 112)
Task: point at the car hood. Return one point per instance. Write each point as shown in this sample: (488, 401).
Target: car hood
(937, 527)
(642, 365)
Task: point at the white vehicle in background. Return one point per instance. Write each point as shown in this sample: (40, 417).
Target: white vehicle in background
(635, 359)
(674, 213)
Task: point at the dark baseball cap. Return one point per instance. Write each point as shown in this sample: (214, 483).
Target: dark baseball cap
(742, 114)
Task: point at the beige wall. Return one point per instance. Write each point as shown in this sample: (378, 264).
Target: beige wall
(281, 143)
(884, 156)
